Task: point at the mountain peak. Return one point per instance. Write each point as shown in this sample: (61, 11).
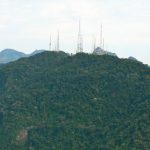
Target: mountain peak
(8, 55)
(9, 50)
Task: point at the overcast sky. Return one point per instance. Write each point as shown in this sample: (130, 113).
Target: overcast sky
(26, 25)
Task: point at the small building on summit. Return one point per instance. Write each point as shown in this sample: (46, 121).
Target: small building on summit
(100, 51)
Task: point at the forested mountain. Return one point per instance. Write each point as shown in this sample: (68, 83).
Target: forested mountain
(53, 101)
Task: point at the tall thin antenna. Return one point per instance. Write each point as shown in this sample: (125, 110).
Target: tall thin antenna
(50, 43)
(55, 48)
(94, 45)
(101, 36)
(103, 43)
(57, 41)
(80, 40)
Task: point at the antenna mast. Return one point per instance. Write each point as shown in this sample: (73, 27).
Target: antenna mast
(101, 36)
(57, 48)
(50, 43)
(94, 45)
(80, 40)
(103, 44)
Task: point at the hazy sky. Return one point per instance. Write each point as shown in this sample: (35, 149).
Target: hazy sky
(26, 25)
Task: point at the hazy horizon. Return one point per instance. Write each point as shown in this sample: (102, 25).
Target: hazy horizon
(26, 25)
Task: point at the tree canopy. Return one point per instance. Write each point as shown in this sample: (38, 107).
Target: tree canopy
(53, 101)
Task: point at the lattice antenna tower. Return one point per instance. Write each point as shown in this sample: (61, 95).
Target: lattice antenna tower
(80, 40)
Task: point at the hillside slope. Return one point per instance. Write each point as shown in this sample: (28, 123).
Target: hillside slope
(61, 102)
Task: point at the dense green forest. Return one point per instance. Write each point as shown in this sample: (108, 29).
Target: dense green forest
(53, 101)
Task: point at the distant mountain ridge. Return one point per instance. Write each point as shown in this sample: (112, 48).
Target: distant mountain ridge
(9, 55)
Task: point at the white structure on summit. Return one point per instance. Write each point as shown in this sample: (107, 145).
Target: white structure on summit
(98, 50)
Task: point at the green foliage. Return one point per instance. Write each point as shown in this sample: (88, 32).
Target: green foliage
(56, 101)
